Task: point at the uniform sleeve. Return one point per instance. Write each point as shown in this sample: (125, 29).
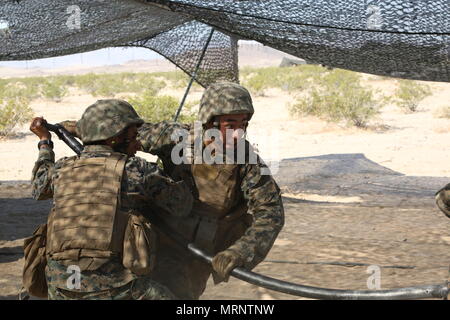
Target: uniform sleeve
(264, 203)
(42, 175)
(156, 138)
(158, 189)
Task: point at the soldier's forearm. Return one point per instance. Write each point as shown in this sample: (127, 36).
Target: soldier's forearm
(156, 138)
(42, 174)
(257, 241)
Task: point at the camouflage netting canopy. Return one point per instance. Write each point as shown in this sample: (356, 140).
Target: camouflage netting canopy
(400, 38)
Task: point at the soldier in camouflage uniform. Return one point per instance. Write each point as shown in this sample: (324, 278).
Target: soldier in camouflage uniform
(237, 212)
(99, 197)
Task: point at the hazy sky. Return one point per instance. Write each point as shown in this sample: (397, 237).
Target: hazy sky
(100, 57)
(93, 58)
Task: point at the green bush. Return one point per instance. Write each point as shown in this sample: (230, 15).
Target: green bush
(13, 112)
(27, 88)
(288, 78)
(109, 85)
(409, 94)
(53, 89)
(158, 108)
(338, 96)
(142, 82)
(177, 79)
(106, 87)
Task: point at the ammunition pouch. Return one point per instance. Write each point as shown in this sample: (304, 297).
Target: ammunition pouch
(33, 274)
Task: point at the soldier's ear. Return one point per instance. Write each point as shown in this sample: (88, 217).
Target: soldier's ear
(212, 124)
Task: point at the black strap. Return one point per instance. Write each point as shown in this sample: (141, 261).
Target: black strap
(47, 142)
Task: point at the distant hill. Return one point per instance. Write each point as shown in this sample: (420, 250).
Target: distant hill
(254, 55)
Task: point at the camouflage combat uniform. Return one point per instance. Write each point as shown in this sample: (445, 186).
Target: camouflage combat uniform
(155, 191)
(251, 238)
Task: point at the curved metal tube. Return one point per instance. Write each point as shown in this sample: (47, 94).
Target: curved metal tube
(419, 292)
(65, 136)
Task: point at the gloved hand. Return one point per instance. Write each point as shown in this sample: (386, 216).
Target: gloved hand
(70, 126)
(224, 262)
(443, 200)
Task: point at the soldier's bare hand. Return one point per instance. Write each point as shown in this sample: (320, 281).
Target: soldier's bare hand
(38, 128)
(224, 262)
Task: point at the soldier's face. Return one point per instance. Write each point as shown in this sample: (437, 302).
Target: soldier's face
(237, 123)
(132, 145)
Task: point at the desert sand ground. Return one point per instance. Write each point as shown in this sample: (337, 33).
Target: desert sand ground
(353, 197)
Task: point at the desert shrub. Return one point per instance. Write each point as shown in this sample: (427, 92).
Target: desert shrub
(176, 79)
(85, 81)
(141, 82)
(106, 86)
(66, 80)
(245, 72)
(258, 80)
(158, 108)
(288, 78)
(179, 79)
(300, 77)
(109, 85)
(338, 96)
(409, 94)
(27, 88)
(53, 89)
(96, 84)
(257, 84)
(13, 112)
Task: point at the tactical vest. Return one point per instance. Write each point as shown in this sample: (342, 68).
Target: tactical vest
(87, 224)
(219, 215)
(221, 206)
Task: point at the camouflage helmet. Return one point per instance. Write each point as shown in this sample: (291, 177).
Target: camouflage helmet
(443, 200)
(224, 98)
(106, 119)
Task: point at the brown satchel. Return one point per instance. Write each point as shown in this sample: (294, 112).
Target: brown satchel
(139, 245)
(33, 275)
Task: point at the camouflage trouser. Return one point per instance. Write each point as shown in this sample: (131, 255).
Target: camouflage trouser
(139, 289)
(179, 271)
(185, 275)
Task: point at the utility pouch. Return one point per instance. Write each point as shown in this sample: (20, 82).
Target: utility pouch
(33, 276)
(139, 245)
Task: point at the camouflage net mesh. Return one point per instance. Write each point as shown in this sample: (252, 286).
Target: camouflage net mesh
(35, 29)
(183, 45)
(400, 38)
